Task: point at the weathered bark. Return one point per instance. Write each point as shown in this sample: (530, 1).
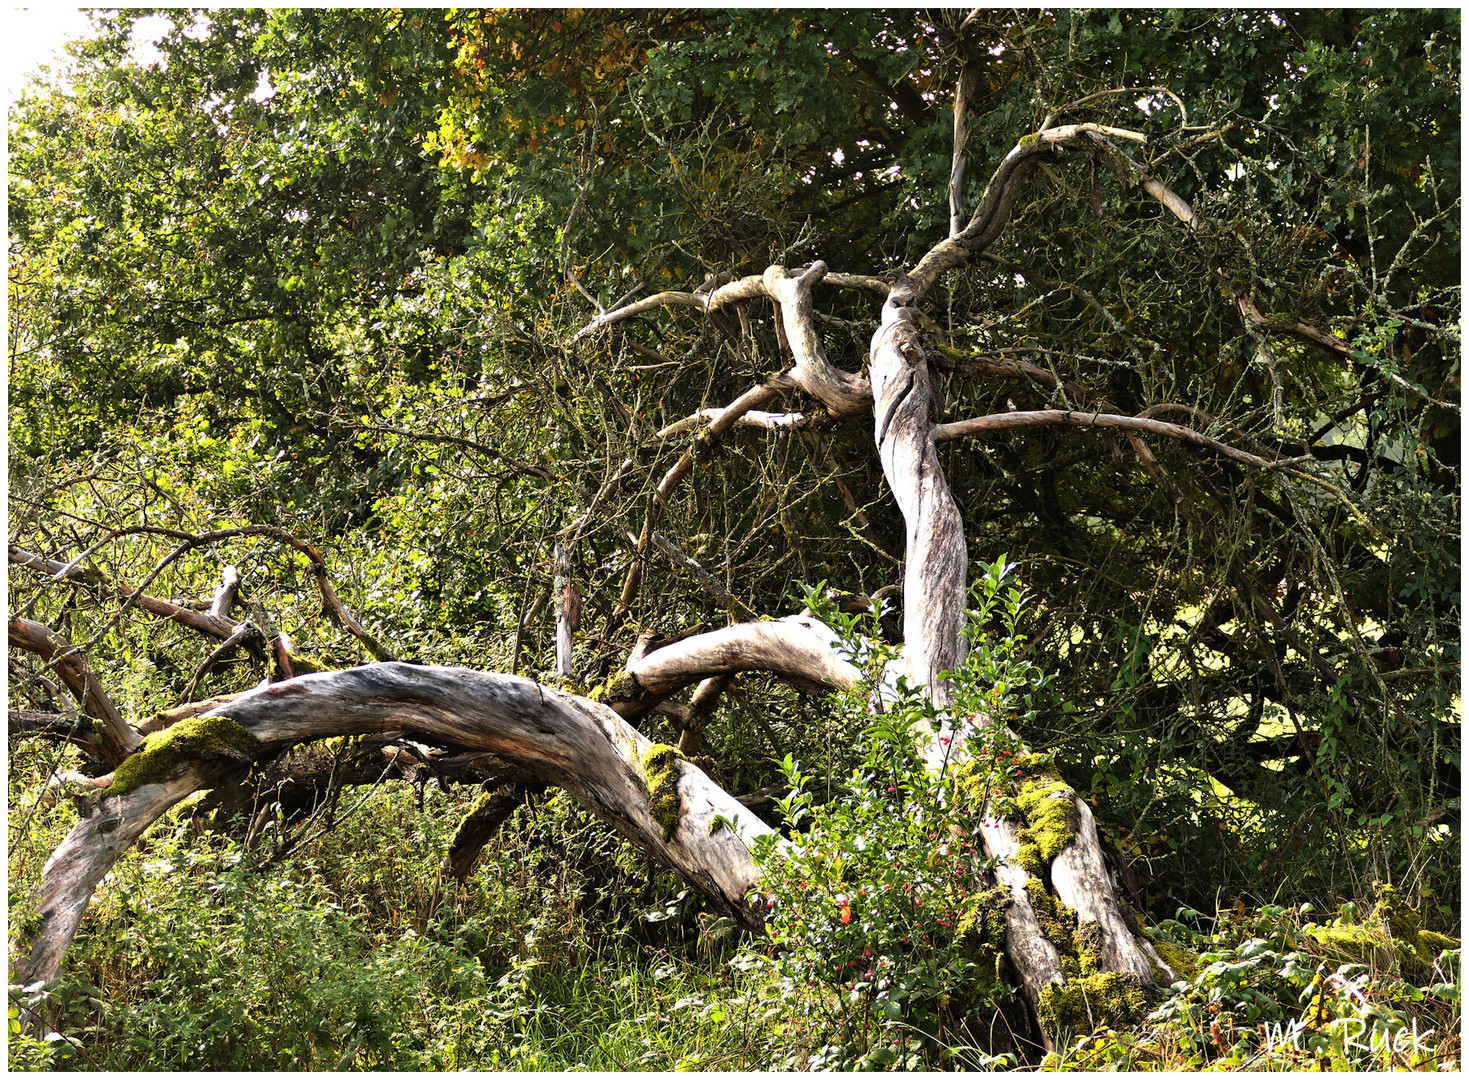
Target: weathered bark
(116, 738)
(68, 726)
(936, 588)
(224, 595)
(842, 393)
(556, 738)
(725, 295)
(935, 584)
(568, 617)
(81, 861)
(963, 90)
(797, 647)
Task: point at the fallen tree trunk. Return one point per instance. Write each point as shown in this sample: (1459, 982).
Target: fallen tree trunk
(663, 804)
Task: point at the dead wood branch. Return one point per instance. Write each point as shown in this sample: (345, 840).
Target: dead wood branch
(117, 738)
(1011, 421)
(582, 746)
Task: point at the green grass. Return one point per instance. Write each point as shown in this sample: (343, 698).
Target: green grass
(565, 950)
(352, 956)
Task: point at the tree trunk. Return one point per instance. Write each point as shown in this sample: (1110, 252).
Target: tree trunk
(666, 806)
(935, 589)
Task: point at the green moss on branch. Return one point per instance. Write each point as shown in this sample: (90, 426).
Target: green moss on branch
(1392, 936)
(1086, 1003)
(1185, 964)
(198, 738)
(1049, 806)
(660, 774)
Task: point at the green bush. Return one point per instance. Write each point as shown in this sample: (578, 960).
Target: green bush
(882, 909)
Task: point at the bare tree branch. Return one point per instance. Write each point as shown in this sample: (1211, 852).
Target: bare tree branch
(963, 89)
(205, 623)
(994, 207)
(118, 737)
(664, 805)
(797, 647)
(1010, 421)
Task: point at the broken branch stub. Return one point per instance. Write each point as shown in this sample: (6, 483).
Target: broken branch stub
(117, 738)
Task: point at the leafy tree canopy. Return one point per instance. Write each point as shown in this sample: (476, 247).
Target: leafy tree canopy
(360, 275)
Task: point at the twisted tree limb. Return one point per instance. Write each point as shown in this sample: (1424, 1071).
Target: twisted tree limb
(683, 819)
(935, 589)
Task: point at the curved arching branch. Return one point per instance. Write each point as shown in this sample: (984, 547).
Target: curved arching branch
(994, 207)
(797, 647)
(664, 805)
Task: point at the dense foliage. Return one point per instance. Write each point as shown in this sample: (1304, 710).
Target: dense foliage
(322, 269)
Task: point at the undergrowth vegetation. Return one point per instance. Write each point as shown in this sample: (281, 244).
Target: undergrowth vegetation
(567, 949)
(562, 951)
(439, 296)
